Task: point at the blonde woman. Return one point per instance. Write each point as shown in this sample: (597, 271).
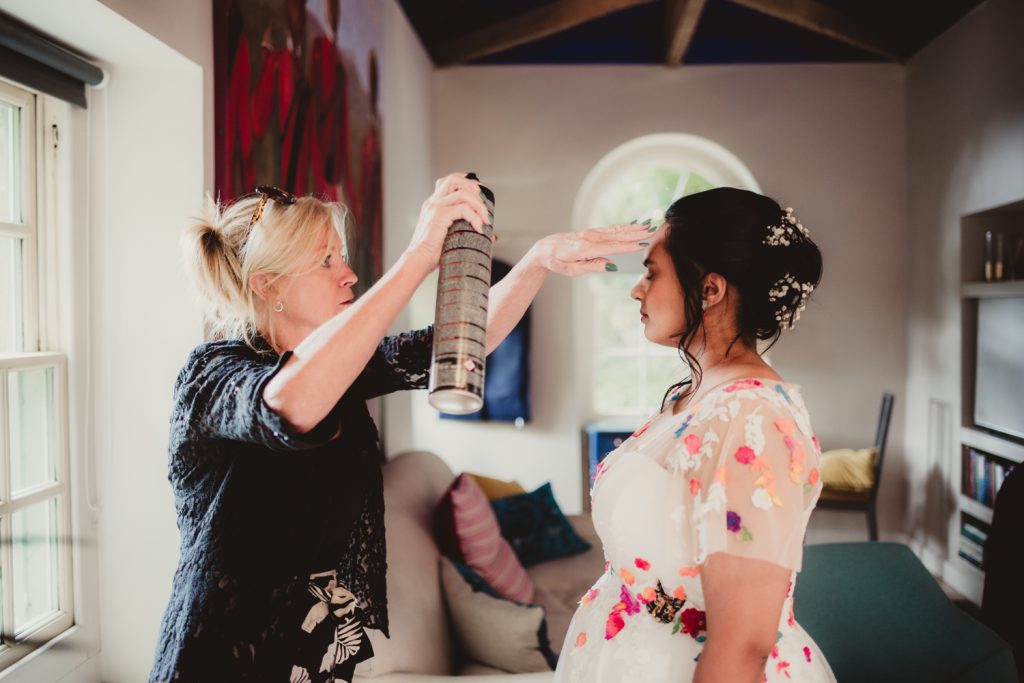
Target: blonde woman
(273, 456)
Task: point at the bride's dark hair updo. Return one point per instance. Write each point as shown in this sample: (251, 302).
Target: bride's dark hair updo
(763, 252)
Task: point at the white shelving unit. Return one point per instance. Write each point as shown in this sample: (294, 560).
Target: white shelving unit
(1008, 220)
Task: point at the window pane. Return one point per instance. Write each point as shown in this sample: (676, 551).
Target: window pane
(10, 163)
(662, 371)
(34, 555)
(638, 194)
(617, 385)
(12, 314)
(616, 317)
(31, 401)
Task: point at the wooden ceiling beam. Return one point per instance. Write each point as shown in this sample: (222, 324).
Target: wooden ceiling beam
(820, 18)
(525, 28)
(683, 16)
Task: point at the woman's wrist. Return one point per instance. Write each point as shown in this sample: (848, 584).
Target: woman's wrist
(539, 255)
(417, 261)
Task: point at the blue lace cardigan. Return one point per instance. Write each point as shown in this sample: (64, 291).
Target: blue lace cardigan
(283, 559)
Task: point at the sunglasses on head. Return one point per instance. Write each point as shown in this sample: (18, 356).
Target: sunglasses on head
(266, 193)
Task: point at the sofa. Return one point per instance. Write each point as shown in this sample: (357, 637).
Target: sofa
(873, 609)
(421, 647)
(880, 617)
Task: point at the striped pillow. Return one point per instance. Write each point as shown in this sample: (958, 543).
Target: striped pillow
(467, 530)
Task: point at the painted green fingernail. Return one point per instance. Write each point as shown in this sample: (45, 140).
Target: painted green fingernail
(646, 222)
(654, 228)
(611, 267)
(644, 244)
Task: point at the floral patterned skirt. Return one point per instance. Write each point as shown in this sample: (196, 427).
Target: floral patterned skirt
(333, 639)
(615, 638)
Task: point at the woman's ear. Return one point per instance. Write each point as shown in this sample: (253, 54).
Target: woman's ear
(259, 283)
(714, 288)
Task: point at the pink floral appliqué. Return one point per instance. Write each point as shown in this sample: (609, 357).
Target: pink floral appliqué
(745, 455)
(742, 384)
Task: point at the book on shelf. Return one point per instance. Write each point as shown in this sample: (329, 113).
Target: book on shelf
(976, 560)
(973, 533)
(983, 475)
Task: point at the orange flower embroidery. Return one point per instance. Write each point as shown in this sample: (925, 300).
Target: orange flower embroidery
(614, 624)
(679, 593)
(589, 596)
(693, 444)
(643, 428)
(784, 426)
(581, 639)
(694, 486)
(690, 571)
(627, 577)
(647, 595)
(812, 478)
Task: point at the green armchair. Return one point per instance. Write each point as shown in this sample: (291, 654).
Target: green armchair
(880, 617)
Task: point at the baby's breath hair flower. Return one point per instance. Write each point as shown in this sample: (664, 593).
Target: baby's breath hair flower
(787, 231)
(788, 315)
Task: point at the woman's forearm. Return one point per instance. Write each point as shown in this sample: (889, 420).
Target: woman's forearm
(326, 363)
(731, 664)
(509, 299)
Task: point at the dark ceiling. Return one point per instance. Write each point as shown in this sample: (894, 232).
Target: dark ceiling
(677, 32)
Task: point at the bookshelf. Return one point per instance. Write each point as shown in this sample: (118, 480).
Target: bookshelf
(986, 456)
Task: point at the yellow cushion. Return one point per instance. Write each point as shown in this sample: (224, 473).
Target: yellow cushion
(496, 489)
(848, 470)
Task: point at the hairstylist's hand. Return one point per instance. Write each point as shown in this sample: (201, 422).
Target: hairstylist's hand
(574, 253)
(455, 197)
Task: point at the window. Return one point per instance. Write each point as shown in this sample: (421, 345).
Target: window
(35, 553)
(639, 180)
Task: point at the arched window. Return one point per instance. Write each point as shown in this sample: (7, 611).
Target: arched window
(637, 180)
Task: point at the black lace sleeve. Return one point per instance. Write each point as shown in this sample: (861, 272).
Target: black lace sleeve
(400, 362)
(220, 392)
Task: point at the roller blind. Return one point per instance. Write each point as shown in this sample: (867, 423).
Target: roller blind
(37, 61)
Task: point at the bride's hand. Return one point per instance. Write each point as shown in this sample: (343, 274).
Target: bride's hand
(574, 253)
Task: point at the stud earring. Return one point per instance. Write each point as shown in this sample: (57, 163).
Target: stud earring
(703, 304)
(279, 306)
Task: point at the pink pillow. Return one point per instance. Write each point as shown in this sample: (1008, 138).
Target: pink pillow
(467, 530)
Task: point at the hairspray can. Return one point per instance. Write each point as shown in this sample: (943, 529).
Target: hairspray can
(460, 317)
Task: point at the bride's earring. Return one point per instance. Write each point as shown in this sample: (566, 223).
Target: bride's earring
(704, 304)
(279, 306)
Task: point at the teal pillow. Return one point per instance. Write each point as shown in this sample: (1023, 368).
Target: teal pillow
(536, 528)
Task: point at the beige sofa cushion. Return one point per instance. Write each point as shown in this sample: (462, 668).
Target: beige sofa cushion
(497, 632)
(476, 674)
(560, 583)
(420, 636)
(421, 648)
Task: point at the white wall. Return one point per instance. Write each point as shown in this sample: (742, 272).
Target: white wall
(406, 77)
(830, 140)
(185, 26)
(140, 174)
(965, 112)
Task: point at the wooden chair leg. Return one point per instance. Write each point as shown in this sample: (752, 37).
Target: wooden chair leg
(872, 524)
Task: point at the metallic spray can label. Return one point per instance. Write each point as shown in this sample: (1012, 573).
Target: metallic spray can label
(460, 318)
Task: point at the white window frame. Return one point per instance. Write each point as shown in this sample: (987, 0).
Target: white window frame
(40, 350)
(687, 152)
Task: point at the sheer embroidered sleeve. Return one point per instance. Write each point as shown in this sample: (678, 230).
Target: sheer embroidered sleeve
(748, 474)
